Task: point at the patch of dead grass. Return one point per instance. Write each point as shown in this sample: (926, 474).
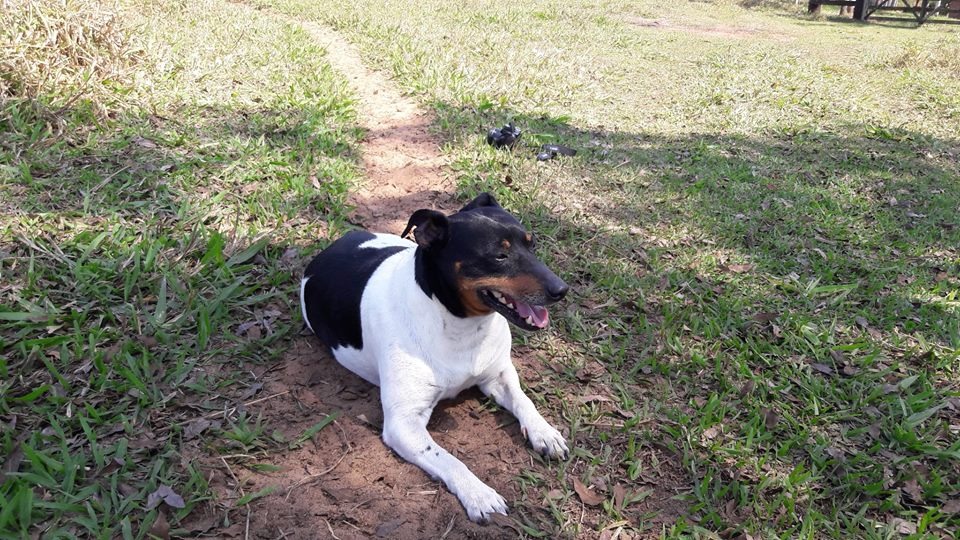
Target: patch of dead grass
(62, 54)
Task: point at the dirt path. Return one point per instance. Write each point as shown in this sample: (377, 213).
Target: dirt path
(403, 168)
(345, 483)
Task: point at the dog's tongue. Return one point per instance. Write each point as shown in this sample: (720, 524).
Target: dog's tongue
(538, 314)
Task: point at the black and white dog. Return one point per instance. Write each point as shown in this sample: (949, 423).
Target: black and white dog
(426, 320)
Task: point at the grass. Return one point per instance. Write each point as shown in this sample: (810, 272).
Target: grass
(761, 228)
(159, 174)
(764, 252)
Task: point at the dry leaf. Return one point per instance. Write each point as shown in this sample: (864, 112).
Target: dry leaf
(912, 488)
(388, 527)
(951, 507)
(765, 316)
(737, 268)
(193, 429)
(903, 526)
(849, 371)
(587, 495)
(554, 494)
(166, 495)
(594, 397)
(251, 390)
(160, 527)
(711, 432)
(822, 368)
(770, 418)
(619, 494)
(12, 463)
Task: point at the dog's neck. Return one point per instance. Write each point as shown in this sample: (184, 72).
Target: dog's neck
(431, 280)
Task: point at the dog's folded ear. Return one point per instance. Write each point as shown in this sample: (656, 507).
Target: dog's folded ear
(431, 228)
(483, 199)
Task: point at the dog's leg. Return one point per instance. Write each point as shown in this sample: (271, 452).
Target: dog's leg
(505, 390)
(405, 431)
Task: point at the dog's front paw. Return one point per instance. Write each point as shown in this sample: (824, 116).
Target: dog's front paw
(480, 501)
(547, 441)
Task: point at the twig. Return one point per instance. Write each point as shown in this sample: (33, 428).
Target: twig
(246, 534)
(314, 476)
(226, 412)
(108, 179)
(329, 528)
(449, 527)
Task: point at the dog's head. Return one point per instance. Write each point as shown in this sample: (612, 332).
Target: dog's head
(481, 260)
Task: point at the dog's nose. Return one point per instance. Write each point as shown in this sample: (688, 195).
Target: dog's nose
(557, 290)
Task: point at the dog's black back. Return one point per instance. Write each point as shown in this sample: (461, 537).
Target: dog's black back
(342, 271)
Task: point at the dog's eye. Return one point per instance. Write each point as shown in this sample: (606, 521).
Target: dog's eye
(502, 257)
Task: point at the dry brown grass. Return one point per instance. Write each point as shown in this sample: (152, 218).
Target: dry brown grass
(62, 54)
(942, 55)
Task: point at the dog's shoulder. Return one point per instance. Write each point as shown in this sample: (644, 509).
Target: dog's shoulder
(334, 282)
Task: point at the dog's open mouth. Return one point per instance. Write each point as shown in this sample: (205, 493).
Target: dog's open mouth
(522, 314)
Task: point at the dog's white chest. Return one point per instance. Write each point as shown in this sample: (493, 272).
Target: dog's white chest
(406, 332)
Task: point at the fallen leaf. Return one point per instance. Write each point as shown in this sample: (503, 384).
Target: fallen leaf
(193, 429)
(838, 356)
(912, 488)
(765, 316)
(903, 526)
(861, 322)
(770, 418)
(114, 465)
(594, 397)
(386, 528)
(874, 430)
(835, 453)
(747, 388)
(711, 432)
(822, 368)
(166, 495)
(143, 142)
(587, 495)
(619, 494)
(849, 371)
(160, 527)
(554, 494)
(951, 507)
(737, 268)
(250, 391)
(12, 463)
(254, 333)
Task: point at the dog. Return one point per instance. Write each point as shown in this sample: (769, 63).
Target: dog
(425, 320)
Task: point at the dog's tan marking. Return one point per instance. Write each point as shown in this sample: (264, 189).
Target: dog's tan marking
(517, 287)
(528, 237)
(505, 243)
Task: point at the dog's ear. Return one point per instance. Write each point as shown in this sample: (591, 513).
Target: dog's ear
(431, 228)
(483, 199)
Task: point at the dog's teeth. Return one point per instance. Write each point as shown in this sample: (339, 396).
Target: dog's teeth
(510, 306)
(529, 320)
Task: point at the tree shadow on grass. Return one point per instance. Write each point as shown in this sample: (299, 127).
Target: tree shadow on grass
(792, 282)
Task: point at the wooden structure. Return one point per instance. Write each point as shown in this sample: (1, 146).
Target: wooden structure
(920, 9)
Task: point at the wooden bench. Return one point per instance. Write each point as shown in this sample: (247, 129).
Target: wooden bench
(920, 9)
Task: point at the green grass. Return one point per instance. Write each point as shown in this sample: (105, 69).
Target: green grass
(149, 235)
(761, 229)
